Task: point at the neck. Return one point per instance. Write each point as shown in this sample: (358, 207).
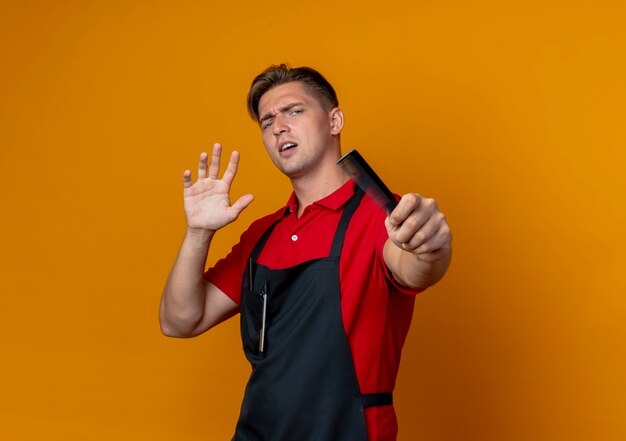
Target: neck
(311, 188)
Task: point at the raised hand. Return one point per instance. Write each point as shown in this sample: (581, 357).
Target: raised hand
(207, 201)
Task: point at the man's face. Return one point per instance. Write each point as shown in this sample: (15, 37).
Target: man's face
(298, 133)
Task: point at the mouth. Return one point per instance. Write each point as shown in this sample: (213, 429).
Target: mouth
(283, 147)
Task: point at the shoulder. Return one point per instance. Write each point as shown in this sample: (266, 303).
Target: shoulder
(369, 215)
(366, 232)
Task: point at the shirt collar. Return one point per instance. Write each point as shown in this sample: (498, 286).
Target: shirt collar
(333, 201)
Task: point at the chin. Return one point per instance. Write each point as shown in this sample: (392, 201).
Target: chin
(295, 171)
(291, 168)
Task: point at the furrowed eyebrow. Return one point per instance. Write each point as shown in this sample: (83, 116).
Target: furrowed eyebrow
(285, 108)
(267, 116)
(290, 106)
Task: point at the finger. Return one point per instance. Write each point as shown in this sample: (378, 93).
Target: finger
(407, 204)
(242, 203)
(425, 232)
(440, 241)
(187, 179)
(202, 165)
(231, 170)
(216, 157)
(407, 230)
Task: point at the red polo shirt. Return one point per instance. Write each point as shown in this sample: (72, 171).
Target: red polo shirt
(376, 311)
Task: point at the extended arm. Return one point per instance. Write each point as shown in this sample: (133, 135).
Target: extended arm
(418, 251)
(191, 305)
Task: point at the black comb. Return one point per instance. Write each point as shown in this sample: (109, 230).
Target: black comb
(359, 170)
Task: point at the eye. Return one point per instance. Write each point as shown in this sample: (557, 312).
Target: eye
(267, 124)
(296, 112)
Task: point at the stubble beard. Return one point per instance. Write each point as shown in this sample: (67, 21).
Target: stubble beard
(295, 167)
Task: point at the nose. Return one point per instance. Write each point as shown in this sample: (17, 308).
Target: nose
(279, 126)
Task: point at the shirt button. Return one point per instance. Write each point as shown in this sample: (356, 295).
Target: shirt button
(294, 237)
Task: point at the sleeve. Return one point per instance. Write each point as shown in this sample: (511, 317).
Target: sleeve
(228, 272)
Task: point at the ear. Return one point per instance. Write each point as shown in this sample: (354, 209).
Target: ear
(336, 121)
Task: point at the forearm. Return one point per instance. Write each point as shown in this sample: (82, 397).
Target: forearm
(416, 271)
(184, 297)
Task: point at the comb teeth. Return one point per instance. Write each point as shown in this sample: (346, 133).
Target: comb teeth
(359, 170)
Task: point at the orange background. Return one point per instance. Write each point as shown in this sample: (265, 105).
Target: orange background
(511, 114)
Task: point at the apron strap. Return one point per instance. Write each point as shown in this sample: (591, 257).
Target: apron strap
(380, 399)
(261, 242)
(351, 206)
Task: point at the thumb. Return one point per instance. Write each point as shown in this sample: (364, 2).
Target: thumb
(242, 203)
(391, 228)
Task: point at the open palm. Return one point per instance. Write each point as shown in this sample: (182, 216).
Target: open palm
(207, 201)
